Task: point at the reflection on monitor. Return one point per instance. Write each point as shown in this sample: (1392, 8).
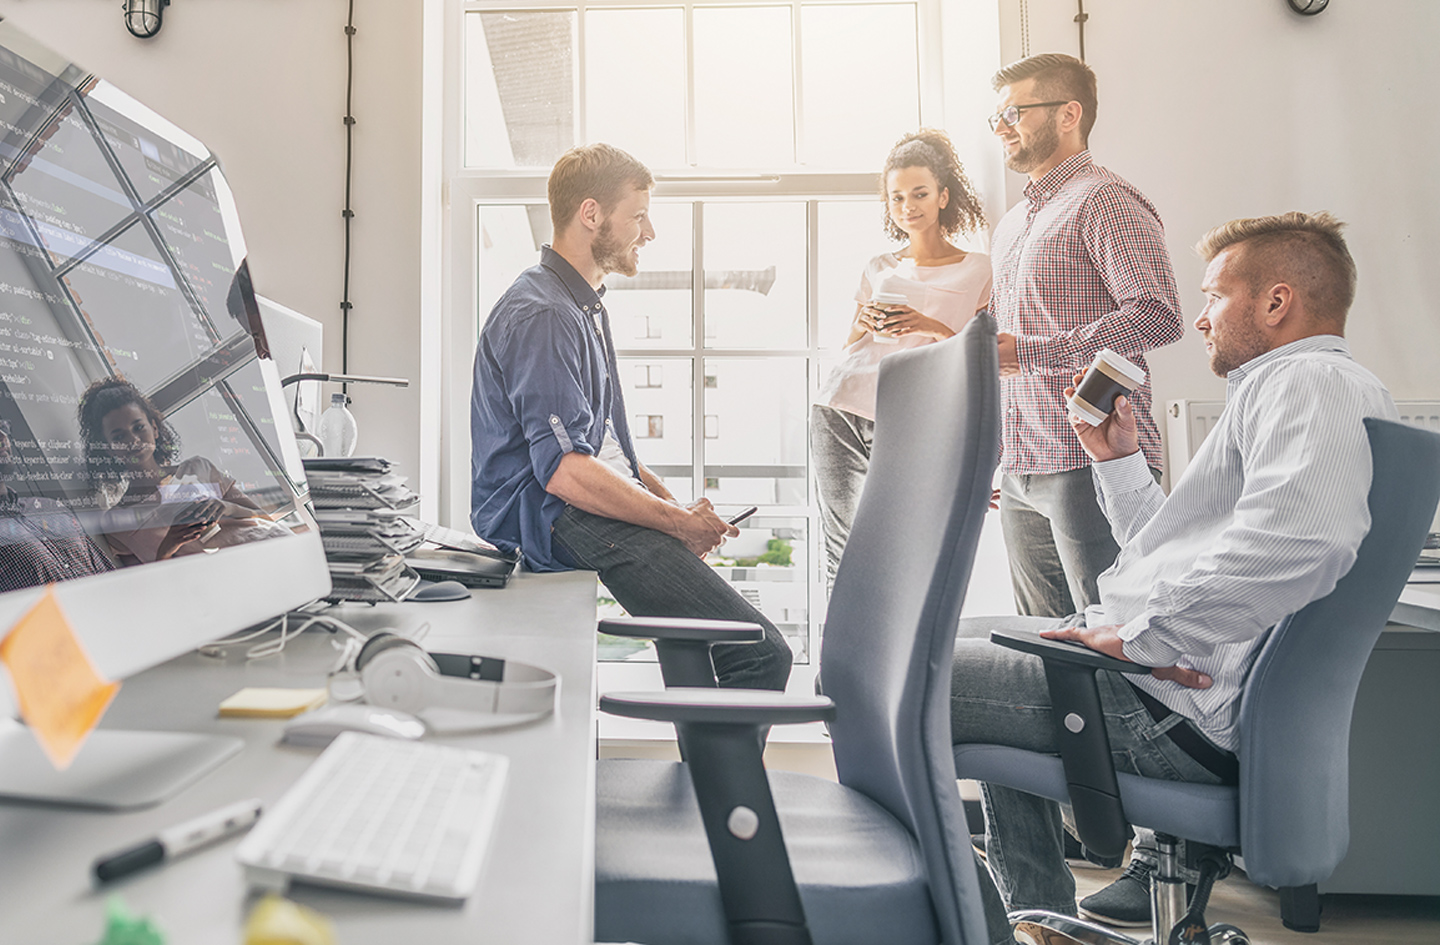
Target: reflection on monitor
(147, 467)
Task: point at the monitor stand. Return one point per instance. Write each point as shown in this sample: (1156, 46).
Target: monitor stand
(114, 769)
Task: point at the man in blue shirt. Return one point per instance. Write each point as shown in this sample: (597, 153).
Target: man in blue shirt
(553, 466)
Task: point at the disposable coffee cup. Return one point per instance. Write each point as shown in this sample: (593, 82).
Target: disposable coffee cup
(1111, 376)
(881, 300)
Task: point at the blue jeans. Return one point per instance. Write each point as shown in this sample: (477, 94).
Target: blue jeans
(652, 574)
(1058, 541)
(998, 696)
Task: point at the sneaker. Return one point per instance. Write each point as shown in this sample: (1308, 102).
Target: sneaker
(1124, 903)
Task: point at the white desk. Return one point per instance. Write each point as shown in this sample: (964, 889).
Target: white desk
(538, 882)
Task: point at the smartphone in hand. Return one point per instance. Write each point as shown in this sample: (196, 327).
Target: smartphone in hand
(744, 515)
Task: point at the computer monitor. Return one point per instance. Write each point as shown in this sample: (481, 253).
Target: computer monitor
(150, 474)
(296, 346)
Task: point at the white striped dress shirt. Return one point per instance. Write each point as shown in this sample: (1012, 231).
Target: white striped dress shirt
(1267, 518)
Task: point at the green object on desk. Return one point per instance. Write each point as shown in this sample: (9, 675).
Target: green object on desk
(122, 928)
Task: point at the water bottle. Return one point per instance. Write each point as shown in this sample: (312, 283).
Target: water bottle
(337, 428)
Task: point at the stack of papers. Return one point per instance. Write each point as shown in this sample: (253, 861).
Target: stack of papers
(358, 503)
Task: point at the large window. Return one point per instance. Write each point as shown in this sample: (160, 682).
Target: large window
(765, 124)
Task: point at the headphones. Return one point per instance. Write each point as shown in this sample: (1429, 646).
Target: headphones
(395, 673)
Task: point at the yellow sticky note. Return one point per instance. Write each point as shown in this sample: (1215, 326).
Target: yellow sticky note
(271, 703)
(278, 921)
(61, 695)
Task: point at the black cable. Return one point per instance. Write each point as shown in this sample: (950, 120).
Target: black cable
(348, 214)
(1080, 18)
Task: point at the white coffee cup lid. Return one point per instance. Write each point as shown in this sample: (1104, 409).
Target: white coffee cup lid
(1122, 364)
(889, 298)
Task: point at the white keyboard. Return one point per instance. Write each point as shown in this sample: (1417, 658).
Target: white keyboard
(382, 815)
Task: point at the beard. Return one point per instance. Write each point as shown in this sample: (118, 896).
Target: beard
(1037, 152)
(1242, 344)
(609, 254)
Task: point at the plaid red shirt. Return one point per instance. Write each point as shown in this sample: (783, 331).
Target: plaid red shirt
(1080, 265)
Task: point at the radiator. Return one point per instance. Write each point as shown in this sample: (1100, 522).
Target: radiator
(1188, 422)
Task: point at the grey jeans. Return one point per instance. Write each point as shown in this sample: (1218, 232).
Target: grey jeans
(1058, 541)
(840, 444)
(652, 574)
(999, 696)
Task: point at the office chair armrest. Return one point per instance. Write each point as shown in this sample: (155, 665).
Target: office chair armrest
(683, 644)
(756, 707)
(719, 730)
(1080, 733)
(683, 628)
(1028, 641)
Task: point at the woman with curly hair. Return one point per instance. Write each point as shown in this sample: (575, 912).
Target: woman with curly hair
(928, 200)
(158, 508)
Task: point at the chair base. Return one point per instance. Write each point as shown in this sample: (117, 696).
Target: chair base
(1052, 928)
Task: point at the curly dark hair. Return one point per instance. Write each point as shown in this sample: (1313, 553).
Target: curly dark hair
(99, 399)
(931, 149)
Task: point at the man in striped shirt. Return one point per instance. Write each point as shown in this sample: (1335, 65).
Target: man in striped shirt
(1267, 517)
(1080, 265)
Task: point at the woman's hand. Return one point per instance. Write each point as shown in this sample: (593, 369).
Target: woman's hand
(177, 536)
(897, 321)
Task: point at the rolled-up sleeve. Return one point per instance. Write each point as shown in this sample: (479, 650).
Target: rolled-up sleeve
(545, 370)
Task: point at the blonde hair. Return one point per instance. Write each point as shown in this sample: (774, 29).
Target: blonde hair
(1304, 250)
(601, 171)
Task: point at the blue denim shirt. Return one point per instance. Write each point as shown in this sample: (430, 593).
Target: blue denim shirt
(545, 385)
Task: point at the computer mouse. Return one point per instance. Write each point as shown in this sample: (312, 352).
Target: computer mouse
(439, 590)
(318, 727)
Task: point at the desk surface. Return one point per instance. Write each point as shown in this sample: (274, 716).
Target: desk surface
(1419, 606)
(538, 880)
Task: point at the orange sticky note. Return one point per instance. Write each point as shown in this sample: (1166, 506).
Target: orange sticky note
(61, 695)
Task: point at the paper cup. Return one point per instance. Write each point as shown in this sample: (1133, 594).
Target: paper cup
(1110, 376)
(881, 300)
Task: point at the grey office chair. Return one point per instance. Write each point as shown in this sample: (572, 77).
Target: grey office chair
(1289, 814)
(883, 856)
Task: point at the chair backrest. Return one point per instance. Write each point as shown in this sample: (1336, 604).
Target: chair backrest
(890, 629)
(1295, 711)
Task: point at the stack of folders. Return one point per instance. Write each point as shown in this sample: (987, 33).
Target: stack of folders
(359, 503)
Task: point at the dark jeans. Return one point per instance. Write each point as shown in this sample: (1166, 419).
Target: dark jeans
(999, 696)
(654, 575)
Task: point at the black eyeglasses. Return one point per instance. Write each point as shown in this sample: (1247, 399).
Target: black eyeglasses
(1010, 114)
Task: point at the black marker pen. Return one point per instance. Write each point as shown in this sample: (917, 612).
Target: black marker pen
(178, 840)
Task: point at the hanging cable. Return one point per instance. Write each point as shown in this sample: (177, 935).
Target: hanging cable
(348, 214)
(1080, 19)
(1024, 29)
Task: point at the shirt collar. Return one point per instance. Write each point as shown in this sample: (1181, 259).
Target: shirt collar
(1313, 344)
(1040, 191)
(585, 296)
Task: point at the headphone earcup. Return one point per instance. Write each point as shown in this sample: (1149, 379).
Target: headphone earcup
(396, 673)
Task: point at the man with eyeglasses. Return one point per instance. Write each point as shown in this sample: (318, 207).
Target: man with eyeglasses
(1080, 264)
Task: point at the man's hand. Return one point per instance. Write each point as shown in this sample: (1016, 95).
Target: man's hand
(1107, 640)
(1009, 356)
(700, 529)
(1118, 436)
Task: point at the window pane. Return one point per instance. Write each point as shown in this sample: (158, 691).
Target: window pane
(744, 90)
(767, 564)
(641, 113)
(658, 400)
(508, 240)
(755, 275)
(849, 236)
(761, 409)
(519, 88)
(654, 308)
(861, 82)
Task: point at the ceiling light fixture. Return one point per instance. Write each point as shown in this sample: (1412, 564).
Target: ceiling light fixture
(142, 17)
(1308, 7)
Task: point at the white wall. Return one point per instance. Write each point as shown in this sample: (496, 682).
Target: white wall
(1237, 108)
(262, 83)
